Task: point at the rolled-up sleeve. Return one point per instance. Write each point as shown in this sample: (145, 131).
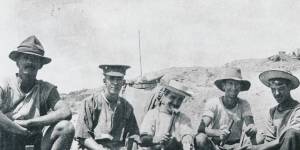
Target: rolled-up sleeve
(84, 125)
(210, 109)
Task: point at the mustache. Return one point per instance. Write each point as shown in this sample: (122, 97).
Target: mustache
(30, 66)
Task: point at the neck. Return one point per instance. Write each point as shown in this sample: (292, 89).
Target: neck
(287, 103)
(229, 102)
(111, 97)
(26, 84)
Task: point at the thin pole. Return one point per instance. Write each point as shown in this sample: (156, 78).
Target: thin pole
(140, 53)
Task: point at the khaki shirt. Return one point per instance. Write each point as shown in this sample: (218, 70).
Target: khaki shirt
(280, 121)
(156, 123)
(97, 120)
(18, 105)
(222, 116)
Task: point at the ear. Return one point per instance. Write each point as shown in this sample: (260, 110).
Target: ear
(104, 80)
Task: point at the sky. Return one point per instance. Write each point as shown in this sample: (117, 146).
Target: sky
(81, 34)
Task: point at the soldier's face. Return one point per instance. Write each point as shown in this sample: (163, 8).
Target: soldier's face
(114, 84)
(173, 101)
(28, 65)
(232, 88)
(280, 90)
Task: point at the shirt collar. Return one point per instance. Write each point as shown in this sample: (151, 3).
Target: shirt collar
(106, 100)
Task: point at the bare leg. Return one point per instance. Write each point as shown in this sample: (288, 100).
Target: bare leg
(58, 136)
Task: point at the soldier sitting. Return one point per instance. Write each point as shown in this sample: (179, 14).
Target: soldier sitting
(164, 126)
(29, 106)
(225, 111)
(283, 122)
(106, 119)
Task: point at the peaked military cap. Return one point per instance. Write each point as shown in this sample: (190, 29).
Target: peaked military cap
(30, 46)
(114, 70)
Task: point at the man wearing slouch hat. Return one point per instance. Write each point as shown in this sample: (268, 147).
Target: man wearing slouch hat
(224, 116)
(31, 112)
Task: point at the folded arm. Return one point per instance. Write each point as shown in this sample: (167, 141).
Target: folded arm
(8, 125)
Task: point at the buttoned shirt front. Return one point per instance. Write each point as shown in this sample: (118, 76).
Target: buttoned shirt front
(98, 121)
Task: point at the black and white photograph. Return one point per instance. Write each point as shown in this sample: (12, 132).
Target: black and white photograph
(150, 75)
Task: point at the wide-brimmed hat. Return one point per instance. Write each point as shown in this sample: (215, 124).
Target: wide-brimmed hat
(178, 88)
(232, 74)
(30, 46)
(266, 76)
(114, 70)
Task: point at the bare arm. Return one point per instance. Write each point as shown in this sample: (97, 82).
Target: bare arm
(61, 112)
(7, 124)
(269, 145)
(251, 130)
(210, 132)
(91, 144)
(10, 126)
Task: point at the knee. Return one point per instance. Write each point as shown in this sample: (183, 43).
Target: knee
(201, 140)
(65, 127)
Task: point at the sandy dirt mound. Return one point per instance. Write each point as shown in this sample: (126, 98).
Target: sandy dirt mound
(201, 82)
